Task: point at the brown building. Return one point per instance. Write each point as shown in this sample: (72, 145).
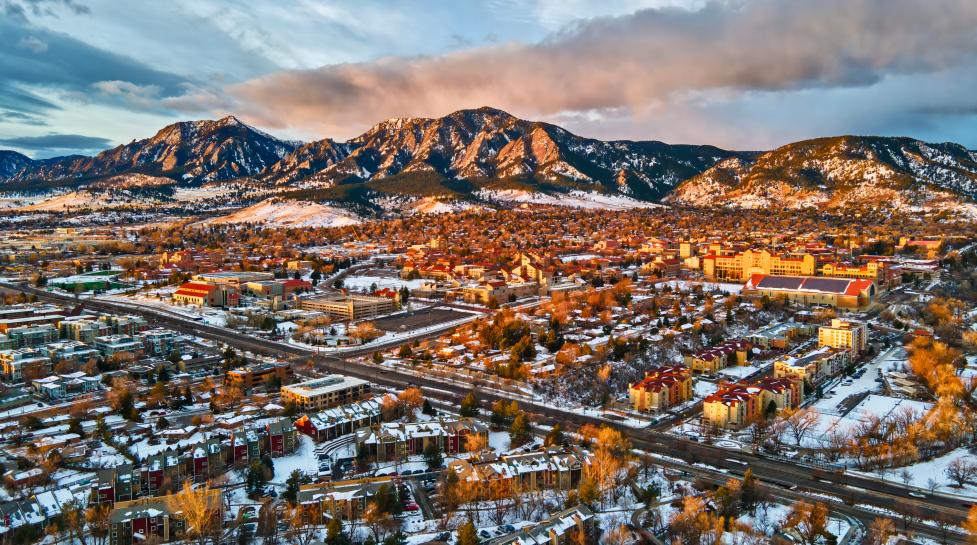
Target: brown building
(260, 374)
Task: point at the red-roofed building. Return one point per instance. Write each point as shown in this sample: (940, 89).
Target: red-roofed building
(203, 294)
(711, 360)
(662, 388)
(293, 285)
(813, 290)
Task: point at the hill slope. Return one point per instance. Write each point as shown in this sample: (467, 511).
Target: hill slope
(486, 145)
(837, 172)
(189, 150)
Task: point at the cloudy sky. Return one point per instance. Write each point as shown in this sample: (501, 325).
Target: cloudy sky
(78, 76)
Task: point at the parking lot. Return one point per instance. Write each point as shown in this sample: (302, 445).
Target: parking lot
(419, 319)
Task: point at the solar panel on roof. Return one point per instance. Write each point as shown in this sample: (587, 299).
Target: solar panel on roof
(828, 285)
(781, 282)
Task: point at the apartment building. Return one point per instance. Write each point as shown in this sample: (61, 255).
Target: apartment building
(342, 420)
(661, 389)
(712, 359)
(558, 469)
(259, 374)
(346, 500)
(847, 334)
(813, 367)
(398, 440)
(737, 405)
(325, 392)
(21, 363)
(137, 520)
(778, 336)
(110, 345)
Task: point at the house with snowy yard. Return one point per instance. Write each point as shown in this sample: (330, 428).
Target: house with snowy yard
(398, 440)
(661, 388)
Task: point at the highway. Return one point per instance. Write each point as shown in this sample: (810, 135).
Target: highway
(852, 490)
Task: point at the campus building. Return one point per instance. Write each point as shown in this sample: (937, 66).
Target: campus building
(325, 392)
(813, 290)
(350, 307)
(741, 266)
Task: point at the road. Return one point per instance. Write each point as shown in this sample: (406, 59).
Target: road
(851, 489)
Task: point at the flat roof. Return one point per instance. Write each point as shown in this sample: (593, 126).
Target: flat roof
(324, 385)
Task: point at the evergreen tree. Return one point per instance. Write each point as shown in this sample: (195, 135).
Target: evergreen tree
(467, 534)
(519, 431)
(555, 436)
(335, 534)
(397, 538)
(292, 485)
(469, 406)
(433, 456)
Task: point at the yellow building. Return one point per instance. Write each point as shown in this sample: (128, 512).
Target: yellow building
(869, 271)
(711, 360)
(813, 367)
(322, 393)
(848, 335)
(740, 266)
(661, 389)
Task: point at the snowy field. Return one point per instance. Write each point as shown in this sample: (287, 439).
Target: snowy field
(686, 285)
(289, 214)
(573, 199)
(363, 283)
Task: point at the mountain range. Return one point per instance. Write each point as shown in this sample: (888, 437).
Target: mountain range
(486, 155)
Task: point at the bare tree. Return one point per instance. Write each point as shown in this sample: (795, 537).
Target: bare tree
(200, 509)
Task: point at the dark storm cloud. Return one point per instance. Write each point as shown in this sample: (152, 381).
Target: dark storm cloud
(35, 61)
(50, 142)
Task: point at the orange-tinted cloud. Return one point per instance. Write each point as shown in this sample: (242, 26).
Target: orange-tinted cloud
(631, 63)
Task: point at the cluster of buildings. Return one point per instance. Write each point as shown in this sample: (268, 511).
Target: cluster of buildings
(44, 348)
(794, 376)
(225, 288)
(476, 279)
(552, 469)
(394, 441)
(166, 471)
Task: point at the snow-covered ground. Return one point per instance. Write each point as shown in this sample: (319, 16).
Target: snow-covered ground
(303, 459)
(355, 282)
(932, 472)
(687, 285)
(289, 214)
(573, 199)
